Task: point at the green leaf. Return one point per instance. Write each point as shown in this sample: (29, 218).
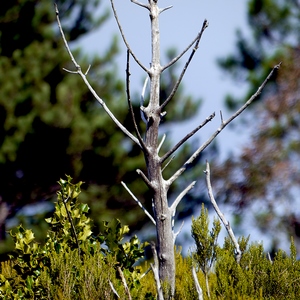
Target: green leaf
(29, 237)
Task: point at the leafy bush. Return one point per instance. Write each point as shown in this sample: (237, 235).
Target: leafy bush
(74, 264)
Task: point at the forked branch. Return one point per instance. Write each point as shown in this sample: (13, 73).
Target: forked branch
(140, 4)
(197, 41)
(189, 135)
(123, 35)
(223, 125)
(180, 196)
(83, 76)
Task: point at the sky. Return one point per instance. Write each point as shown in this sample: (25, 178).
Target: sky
(204, 78)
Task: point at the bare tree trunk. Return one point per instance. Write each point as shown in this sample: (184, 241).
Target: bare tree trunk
(165, 246)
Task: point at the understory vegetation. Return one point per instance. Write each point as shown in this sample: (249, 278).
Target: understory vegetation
(75, 264)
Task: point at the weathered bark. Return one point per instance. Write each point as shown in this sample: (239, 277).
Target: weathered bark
(163, 216)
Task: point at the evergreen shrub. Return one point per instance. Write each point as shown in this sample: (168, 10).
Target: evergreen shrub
(75, 264)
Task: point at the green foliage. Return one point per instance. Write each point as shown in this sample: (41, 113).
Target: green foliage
(255, 277)
(70, 225)
(185, 287)
(206, 241)
(127, 253)
(59, 269)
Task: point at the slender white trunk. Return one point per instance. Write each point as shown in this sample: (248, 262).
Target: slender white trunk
(163, 216)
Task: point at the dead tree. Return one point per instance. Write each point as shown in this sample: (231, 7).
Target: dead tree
(164, 266)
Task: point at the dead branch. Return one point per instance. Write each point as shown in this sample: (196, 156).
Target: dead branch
(197, 40)
(142, 101)
(238, 253)
(124, 283)
(161, 142)
(198, 37)
(181, 195)
(113, 289)
(123, 35)
(176, 233)
(82, 75)
(189, 135)
(140, 4)
(197, 285)
(155, 268)
(223, 125)
(144, 177)
(168, 162)
(130, 105)
(138, 202)
(164, 9)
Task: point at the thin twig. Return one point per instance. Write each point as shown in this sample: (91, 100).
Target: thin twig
(181, 142)
(87, 71)
(269, 257)
(130, 105)
(144, 177)
(140, 4)
(171, 158)
(142, 100)
(205, 25)
(197, 285)
(155, 268)
(113, 289)
(79, 71)
(161, 142)
(124, 283)
(145, 273)
(238, 253)
(198, 37)
(223, 125)
(176, 234)
(138, 202)
(72, 224)
(164, 9)
(123, 35)
(181, 195)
